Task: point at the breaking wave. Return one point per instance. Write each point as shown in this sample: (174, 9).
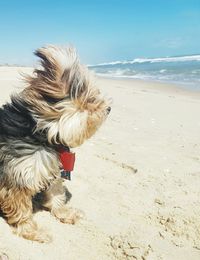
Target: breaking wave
(152, 60)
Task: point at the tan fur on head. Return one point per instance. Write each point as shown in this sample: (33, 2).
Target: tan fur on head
(61, 73)
(78, 110)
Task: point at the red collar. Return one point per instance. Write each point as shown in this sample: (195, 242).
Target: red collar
(67, 159)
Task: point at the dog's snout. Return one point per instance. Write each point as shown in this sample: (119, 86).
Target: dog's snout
(108, 109)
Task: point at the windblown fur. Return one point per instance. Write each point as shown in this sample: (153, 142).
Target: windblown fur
(59, 106)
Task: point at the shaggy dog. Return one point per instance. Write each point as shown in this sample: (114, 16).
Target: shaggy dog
(59, 107)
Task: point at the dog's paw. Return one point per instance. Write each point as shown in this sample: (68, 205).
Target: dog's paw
(42, 237)
(68, 215)
(38, 235)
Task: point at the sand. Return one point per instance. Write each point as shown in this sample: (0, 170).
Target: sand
(137, 180)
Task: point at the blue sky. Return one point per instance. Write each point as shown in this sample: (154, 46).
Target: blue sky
(101, 30)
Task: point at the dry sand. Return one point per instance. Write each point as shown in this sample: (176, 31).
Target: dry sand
(137, 180)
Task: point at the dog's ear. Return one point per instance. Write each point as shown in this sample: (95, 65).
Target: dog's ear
(61, 74)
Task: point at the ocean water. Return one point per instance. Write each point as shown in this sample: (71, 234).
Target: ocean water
(182, 70)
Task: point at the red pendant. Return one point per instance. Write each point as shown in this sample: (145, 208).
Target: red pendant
(67, 159)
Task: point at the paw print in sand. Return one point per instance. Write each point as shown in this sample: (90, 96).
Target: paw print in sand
(126, 248)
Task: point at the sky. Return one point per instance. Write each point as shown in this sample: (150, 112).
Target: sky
(101, 30)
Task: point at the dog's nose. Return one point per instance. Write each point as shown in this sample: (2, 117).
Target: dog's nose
(108, 110)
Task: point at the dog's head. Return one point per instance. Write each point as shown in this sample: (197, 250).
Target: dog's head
(63, 97)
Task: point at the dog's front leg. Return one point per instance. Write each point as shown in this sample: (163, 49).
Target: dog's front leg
(16, 205)
(55, 200)
(23, 177)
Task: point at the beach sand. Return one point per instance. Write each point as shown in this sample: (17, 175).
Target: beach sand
(137, 180)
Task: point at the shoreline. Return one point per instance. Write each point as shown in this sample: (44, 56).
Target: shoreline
(154, 85)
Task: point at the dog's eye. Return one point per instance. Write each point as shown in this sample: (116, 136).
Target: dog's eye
(53, 100)
(91, 100)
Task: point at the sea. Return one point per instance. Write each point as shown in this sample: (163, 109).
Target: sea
(181, 70)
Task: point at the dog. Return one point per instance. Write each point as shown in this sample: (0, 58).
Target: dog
(60, 106)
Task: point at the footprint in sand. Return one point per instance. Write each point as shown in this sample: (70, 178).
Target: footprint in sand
(182, 229)
(126, 248)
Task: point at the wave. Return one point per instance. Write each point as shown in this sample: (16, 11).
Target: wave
(151, 60)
